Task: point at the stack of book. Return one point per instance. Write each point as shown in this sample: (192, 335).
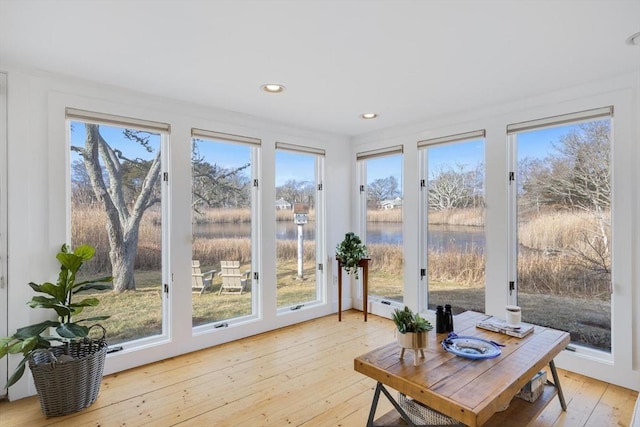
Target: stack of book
(500, 325)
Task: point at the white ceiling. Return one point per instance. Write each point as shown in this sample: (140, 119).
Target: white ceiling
(406, 60)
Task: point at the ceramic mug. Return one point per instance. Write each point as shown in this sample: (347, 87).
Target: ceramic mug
(513, 316)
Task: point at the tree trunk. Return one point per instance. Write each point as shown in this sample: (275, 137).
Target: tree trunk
(122, 265)
(122, 225)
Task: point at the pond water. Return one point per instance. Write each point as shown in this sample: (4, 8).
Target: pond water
(439, 237)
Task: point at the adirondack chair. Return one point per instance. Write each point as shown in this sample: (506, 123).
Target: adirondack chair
(200, 281)
(233, 281)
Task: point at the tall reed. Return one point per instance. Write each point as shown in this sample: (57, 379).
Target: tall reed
(540, 270)
(556, 230)
(468, 217)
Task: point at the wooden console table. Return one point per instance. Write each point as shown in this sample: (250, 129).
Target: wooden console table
(364, 264)
(470, 391)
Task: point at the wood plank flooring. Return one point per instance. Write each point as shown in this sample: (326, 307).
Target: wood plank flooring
(301, 375)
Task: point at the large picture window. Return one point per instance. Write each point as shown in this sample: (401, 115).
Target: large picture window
(224, 186)
(299, 226)
(382, 205)
(453, 221)
(562, 228)
(117, 200)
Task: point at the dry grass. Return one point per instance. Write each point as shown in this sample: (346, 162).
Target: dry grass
(223, 216)
(211, 251)
(384, 215)
(555, 230)
(468, 217)
(454, 277)
(137, 314)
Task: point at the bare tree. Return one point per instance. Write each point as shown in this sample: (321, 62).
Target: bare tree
(123, 218)
(580, 172)
(383, 189)
(451, 188)
(577, 178)
(215, 186)
(294, 191)
(584, 183)
(81, 190)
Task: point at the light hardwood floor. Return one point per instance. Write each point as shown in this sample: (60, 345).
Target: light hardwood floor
(296, 376)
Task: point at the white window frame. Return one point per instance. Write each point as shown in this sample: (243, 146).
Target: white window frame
(375, 304)
(255, 145)
(322, 296)
(542, 123)
(423, 157)
(163, 129)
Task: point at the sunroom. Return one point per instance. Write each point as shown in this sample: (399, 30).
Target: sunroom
(485, 152)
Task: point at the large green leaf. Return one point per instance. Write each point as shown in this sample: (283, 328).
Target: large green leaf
(35, 301)
(55, 291)
(14, 348)
(104, 279)
(87, 302)
(4, 348)
(49, 288)
(92, 286)
(33, 330)
(17, 374)
(72, 330)
(29, 344)
(94, 319)
(85, 252)
(62, 310)
(70, 261)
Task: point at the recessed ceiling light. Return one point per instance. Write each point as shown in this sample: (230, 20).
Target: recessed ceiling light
(272, 88)
(634, 39)
(368, 115)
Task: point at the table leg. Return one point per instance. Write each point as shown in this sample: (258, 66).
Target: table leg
(374, 406)
(556, 383)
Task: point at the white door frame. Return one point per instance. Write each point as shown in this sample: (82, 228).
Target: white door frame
(4, 318)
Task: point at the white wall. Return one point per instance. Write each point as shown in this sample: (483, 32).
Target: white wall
(38, 211)
(623, 366)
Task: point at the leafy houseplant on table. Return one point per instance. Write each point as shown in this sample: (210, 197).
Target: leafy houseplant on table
(350, 251)
(35, 343)
(412, 331)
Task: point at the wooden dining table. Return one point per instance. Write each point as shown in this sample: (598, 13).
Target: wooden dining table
(473, 392)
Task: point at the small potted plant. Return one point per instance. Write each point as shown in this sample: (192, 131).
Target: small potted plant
(349, 252)
(72, 333)
(412, 331)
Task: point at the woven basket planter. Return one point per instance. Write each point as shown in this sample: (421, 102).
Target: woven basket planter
(68, 377)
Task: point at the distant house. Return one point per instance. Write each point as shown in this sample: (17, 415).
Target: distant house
(282, 204)
(391, 204)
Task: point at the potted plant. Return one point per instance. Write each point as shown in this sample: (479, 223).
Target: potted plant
(350, 251)
(69, 331)
(412, 331)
